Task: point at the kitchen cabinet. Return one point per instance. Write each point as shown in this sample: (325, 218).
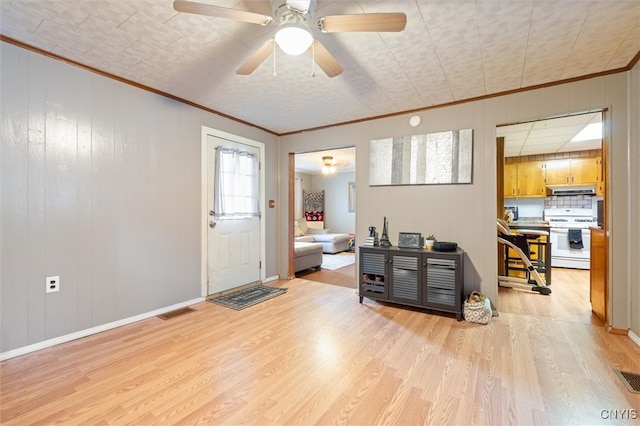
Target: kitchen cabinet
(573, 171)
(510, 179)
(413, 277)
(525, 179)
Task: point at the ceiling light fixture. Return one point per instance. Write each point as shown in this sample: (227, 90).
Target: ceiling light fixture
(328, 165)
(591, 131)
(293, 40)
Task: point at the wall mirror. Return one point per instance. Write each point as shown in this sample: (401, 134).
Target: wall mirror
(434, 158)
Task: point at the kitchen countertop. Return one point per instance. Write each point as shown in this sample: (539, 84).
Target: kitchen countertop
(529, 223)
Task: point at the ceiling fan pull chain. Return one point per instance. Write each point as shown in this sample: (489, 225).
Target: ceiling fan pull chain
(275, 74)
(313, 59)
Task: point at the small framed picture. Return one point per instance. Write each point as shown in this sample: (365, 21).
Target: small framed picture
(352, 197)
(409, 240)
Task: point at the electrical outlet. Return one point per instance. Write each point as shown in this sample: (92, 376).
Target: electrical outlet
(53, 284)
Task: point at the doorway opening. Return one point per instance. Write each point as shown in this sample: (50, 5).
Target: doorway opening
(322, 215)
(551, 174)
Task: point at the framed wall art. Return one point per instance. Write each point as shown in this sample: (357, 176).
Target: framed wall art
(434, 158)
(352, 197)
(409, 240)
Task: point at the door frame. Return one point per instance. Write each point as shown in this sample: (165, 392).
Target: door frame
(605, 147)
(204, 216)
(291, 207)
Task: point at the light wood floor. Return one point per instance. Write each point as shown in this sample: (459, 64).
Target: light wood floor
(569, 299)
(316, 356)
(345, 276)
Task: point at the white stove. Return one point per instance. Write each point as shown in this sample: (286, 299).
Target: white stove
(559, 217)
(570, 236)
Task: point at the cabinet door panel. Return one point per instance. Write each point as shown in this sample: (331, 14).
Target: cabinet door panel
(558, 172)
(441, 282)
(373, 263)
(531, 178)
(510, 179)
(585, 170)
(404, 271)
(373, 279)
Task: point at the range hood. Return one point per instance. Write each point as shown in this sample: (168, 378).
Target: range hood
(571, 189)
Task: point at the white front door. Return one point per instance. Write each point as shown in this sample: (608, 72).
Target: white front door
(233, 244)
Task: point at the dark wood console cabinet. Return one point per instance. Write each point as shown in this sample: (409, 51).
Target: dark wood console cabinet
(415, 277)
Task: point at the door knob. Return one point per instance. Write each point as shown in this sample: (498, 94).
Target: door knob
(212, 224)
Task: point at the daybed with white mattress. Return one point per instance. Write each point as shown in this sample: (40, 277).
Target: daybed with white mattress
(331, 243)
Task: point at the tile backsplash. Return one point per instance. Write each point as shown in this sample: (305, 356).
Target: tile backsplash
(581, 201)
(533, 208)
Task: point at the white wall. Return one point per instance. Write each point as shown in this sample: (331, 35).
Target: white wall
(337, 218)
(527, 207)
(466, 213)
(306, 185)
(100, 184)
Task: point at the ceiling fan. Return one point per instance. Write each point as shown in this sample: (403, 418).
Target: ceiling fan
(294, 38)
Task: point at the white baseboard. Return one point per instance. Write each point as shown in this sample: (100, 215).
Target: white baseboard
(94, 330)
(273, 278)
(634, 337)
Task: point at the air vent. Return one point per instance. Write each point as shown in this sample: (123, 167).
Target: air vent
(630, 380)
(176, 313)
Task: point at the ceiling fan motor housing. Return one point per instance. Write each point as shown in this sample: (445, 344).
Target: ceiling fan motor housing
(286, 14)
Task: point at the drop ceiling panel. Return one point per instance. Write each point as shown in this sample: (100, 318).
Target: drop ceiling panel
(548, 136)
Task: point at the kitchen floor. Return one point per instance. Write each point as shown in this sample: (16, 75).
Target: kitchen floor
(569, 300)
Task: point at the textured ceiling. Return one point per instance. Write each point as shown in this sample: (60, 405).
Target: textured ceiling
(450, 50)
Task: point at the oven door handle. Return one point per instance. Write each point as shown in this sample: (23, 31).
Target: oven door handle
(565, 230)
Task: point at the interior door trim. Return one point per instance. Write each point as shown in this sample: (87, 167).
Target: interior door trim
(204, 211)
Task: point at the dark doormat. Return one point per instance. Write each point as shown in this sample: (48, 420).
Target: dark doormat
(630, 380)
(246, 297)
(176, 313)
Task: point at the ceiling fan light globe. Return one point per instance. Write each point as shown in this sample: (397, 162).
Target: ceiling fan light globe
(293, 40)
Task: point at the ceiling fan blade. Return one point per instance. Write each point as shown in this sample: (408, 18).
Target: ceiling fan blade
(366, 22)
(256, 58)
(221, 12)
(325, 60)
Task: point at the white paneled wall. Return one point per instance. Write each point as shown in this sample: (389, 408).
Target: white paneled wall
(100, 184)
(634, 197)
